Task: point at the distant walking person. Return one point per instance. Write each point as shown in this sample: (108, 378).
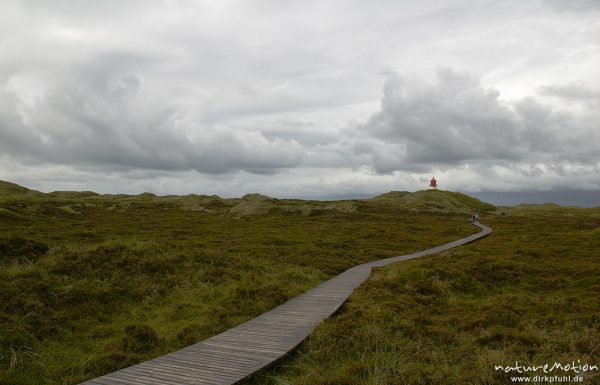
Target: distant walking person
(473, 217)
(476, 217)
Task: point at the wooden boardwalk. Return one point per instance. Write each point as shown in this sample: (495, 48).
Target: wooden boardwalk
(241, 351)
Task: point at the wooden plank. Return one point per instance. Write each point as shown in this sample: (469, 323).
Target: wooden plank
(118, 378)
(217, 352)
(139, 376)
(237, 353)
(216, 372)
(209, 365)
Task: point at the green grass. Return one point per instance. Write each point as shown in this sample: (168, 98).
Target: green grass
(435, 201)
(528, 292)
(90, 284)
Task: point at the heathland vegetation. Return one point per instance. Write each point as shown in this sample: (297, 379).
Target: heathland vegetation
(529, 292)
(92, 283)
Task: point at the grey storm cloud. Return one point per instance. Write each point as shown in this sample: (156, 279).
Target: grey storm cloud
(455, 120)
(574, 5)
(95, 116)
(572, 91)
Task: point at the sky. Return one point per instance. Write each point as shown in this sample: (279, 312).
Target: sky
(303, 99)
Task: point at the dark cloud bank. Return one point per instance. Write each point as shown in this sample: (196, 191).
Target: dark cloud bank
(97, 118)
(104, 120)
(565, 198)
(457, 121)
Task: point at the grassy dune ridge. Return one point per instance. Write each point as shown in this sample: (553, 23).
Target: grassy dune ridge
(92, 283)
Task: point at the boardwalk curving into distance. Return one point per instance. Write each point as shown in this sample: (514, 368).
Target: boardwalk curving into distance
(241, 351)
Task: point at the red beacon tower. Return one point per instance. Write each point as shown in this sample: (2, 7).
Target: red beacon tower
(433, 183)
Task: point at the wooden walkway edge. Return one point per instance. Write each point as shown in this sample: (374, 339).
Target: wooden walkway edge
(241, 351)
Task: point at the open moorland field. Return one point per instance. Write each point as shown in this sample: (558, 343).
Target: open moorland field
(528, 292)
(90, 284)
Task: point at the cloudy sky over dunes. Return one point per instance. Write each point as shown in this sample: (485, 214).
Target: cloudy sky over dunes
(316, 99)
